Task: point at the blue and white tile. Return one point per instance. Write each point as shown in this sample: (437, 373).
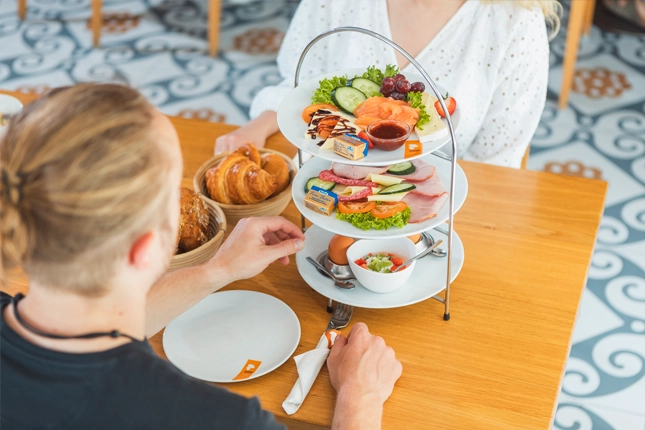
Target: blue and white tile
(587, 416)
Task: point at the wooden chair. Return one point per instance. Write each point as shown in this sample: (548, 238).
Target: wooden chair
(525, 159)
(214, 15)
(580, 20)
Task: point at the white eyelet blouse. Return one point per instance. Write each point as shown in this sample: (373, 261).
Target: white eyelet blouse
(493, 58)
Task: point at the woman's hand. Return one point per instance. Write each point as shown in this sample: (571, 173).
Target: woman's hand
(254, 244)
(255, 131)
(237, 138)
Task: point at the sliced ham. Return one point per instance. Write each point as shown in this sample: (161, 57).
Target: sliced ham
(430, 187)
(424, 207)
(423, 171)
(356, 172)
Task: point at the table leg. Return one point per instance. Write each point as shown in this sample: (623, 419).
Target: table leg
(330, 306)
(97, 22)
(214, 16)
(574, 30)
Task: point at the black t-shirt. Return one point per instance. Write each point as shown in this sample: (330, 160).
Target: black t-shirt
(128, 387)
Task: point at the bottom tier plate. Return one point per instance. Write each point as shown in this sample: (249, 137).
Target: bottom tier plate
(428, 279)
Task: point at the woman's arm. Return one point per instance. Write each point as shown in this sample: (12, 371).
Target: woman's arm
(302, 30)
(255, 131)
(517, 104)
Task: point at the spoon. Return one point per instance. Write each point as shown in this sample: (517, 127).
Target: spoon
(346, 285)
(436, 252)
(420, 255)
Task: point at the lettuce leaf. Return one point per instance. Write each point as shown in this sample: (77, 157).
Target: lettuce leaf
(414, 98)
(323, 93)
(391, 70)
(367, 221)
(376, 75)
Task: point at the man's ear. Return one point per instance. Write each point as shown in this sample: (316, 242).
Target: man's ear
(140, 253)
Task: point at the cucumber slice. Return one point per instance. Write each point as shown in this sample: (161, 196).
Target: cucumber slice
(347, 98)
(367, 87)
(398, 188)
(405, 168)
(325, 185)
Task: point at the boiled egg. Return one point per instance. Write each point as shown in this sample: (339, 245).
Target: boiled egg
(415, 238)
(338, 249)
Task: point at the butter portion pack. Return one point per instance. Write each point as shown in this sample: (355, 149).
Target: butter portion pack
(350, 146)
(321, 201)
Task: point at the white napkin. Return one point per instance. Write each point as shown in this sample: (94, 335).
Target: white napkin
(308, 365)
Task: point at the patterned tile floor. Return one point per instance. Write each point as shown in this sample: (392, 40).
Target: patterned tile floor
(158, 46)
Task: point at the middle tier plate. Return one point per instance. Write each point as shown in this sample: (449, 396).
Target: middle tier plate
(313, 167)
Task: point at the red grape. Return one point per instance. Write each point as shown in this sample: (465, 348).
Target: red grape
(397, 95)
(398, 77)
(418, 87)
(403, 86)
(388, 85)
(385, 92)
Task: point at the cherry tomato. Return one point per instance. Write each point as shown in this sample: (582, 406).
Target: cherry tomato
(396, 261)
(363, 135)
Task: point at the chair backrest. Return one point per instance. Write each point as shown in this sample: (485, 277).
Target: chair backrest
(525, 159)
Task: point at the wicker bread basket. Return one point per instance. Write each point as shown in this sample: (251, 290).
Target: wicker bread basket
(272, 206)
(200, 255)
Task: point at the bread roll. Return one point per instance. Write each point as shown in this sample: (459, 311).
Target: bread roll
(193, 221)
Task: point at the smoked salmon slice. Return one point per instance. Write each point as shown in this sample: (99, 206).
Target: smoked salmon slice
(376, 108)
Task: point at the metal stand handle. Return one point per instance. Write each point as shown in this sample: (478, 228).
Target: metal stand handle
(452, 159)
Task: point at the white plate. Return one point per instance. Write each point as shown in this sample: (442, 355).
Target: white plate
(313, 168)
(11, 105)
(428, 279)
(294, 128)
(216, 338)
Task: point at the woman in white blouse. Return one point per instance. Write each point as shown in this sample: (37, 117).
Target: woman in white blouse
(493, 57)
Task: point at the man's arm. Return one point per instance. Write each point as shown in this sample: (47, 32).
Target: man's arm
(363, 371)
(251, 247)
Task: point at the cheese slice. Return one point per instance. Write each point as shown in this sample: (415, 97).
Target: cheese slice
(386, 197)
(435, 129)
(383, 180)
(350, 191)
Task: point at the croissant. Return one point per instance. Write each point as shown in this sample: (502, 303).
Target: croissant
(239, 180)
(276, 166)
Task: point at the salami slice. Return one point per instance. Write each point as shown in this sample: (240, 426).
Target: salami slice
(359, 195)
(328, 175)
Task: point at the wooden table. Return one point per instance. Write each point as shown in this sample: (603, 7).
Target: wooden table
(497, 364)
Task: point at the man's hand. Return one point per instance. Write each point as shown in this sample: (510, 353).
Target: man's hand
(363, 371)
(254, 244)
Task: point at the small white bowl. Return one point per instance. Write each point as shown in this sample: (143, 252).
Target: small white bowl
(382, 282)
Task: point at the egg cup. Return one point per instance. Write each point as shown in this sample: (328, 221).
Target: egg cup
(342, 272)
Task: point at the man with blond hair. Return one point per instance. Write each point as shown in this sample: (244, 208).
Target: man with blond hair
(89, 209)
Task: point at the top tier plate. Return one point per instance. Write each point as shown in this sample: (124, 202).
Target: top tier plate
(294, 128)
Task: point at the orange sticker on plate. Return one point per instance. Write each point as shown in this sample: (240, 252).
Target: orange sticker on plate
(249, 369)
(413, 148)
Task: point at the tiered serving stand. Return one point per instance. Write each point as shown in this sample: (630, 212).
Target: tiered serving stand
(428, 279)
